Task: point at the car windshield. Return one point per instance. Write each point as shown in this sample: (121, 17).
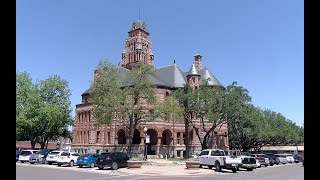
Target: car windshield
(42, 151)
(87, 155)
(65, 154)
(26, 153)
(54, 152)
(105, 154)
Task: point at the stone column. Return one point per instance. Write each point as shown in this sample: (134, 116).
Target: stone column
(181, 154)
(181, 138)
(158, 145)
(106, 135)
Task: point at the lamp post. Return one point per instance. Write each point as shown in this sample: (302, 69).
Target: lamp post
(145, 129)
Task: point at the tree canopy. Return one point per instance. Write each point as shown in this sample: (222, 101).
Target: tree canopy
(42, 109)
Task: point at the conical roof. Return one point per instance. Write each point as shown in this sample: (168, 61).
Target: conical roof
(209, 77)
(193, 71)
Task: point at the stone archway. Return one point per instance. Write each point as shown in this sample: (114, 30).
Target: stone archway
(166, 137)
(136, 137)
(152, 146)
(121, 136)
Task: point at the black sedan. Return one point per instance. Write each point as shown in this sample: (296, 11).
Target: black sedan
(113, 160)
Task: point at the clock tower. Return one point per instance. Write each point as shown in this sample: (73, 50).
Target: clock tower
(137, 46)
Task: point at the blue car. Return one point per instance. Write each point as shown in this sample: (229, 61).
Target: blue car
(87, 160)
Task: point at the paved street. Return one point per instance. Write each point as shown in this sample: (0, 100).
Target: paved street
(46, 172)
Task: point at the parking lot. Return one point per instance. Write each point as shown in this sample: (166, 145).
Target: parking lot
(27, 171)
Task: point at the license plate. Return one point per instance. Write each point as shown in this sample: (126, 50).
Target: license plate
(234, 164)
(101, 160)
(62, 157)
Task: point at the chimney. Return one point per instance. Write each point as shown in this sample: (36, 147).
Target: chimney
(198, 61)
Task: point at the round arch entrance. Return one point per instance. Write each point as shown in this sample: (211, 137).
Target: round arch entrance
(152, 146)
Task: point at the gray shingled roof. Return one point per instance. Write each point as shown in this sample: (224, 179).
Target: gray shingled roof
(172, 75)
(193, 71)
(207, 75)
(123, 73)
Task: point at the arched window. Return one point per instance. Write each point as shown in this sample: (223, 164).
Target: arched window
(121, 137)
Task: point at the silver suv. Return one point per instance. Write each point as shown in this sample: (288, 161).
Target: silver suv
(39, 157)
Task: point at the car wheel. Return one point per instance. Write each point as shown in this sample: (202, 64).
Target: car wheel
(92, 165)
(114, 165)
(43, 161)
(271, 164)
(250, 169)
(200, 166)
(50, 163)
(217, 166)
(266, 165)
(210, 167)
(100, 168)
(59, 164)
(31, 162)
(234, 170)
(71, 163)
(80, 166)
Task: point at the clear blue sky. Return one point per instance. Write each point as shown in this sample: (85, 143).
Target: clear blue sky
(259, 44)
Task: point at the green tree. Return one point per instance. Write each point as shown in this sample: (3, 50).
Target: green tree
(208, 107)
(123, 99)
(43, 108)
(186, 99)
(235, 107)
(169, 109)
(54, 115)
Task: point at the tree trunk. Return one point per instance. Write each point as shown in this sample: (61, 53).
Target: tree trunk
(187, 137)
(42, 144)
(131, 132)
(61, 139)
(47, 143)
(33, 143)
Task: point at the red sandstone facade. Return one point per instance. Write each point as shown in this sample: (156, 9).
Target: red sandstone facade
(165, 137)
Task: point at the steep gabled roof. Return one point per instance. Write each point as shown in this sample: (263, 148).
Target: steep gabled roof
(172, 75)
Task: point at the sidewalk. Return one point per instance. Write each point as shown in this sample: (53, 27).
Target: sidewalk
(160, 168)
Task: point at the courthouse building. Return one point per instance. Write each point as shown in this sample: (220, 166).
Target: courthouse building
(164, 137)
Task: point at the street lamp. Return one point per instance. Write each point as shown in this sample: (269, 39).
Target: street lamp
(145, 129)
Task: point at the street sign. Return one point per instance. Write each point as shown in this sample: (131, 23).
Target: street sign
(147, 138)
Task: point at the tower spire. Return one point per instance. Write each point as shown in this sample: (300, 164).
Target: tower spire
(139, 13)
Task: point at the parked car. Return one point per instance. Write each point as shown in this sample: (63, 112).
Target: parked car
(18, 152)
(289, 157)
(258, 163)
(53, 156)
(218, 159)
(297, 158)
(87, 160)
(69, 158)
(248, 163)
(273, 159)
(39, 157)
(262, 158)
(25, 155)
(113, 160)
(282, 158)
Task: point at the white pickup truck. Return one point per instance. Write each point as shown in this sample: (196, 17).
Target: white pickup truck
(218, 159)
